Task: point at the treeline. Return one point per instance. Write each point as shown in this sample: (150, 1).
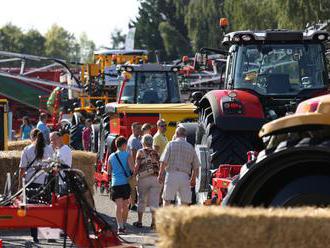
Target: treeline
(57, 43)
(181, 27)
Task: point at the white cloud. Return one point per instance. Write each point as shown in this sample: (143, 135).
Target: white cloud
(97, 18)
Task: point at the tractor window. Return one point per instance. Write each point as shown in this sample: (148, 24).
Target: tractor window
(280, 68)
(151, 87)
(129, 90)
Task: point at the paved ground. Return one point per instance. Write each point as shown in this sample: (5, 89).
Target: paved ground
(145, 237)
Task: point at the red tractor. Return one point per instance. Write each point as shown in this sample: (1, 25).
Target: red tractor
(268, 74)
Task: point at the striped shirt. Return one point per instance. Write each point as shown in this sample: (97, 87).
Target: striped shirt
(181, 156)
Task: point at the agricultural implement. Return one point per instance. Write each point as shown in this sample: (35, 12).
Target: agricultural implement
(147, 93)
(73, 212)
(268, 74)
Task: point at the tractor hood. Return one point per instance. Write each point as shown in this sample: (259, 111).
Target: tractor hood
(150, 108)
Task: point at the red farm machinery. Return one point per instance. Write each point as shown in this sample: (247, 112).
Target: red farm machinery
(267, 74)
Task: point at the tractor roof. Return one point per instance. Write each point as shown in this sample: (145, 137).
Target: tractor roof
(120, 52)
(277, 35)
(148, 67)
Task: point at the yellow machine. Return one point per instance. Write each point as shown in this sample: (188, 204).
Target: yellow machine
(100, 78)
(3, 124)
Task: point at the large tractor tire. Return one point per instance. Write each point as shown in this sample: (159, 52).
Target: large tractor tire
(295, 173)
(228, 147)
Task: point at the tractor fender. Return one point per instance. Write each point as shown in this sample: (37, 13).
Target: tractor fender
(251, 119)
(298, 175)
(191, 128)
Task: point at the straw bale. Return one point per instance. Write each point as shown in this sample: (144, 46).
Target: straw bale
(248, 227)
(84, 161)
(9, 161)
(18, 145)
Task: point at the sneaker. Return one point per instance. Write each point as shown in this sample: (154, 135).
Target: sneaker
(121, 231)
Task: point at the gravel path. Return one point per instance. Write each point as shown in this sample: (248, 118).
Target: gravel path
(144, 237)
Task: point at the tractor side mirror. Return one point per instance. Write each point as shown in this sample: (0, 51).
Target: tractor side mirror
(196, 97)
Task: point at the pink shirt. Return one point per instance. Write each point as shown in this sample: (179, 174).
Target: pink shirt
(86, 137)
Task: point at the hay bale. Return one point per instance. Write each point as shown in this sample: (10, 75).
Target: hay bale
(18, 145)
(84, 161)
(9, 161)
(234, 227)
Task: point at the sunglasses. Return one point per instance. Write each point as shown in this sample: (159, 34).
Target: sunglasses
(163, 125)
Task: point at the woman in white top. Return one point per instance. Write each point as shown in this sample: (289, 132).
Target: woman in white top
(32, 156)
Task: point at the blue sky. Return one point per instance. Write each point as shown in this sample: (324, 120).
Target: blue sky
(97, 18)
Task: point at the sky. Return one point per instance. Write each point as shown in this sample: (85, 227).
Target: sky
(98, 18)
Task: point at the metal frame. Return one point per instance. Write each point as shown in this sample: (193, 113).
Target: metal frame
(23, 58)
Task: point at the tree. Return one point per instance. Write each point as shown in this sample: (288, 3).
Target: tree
(251, 14)
(11, 38)
(175, 44)
(118, 39)
(160, 26)
(295, 14)
(33, 43)
(202, 20)
(87, 48)
(61, 44)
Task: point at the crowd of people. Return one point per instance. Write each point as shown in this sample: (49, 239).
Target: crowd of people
(157, 171)
(145, 171)
(83, 132)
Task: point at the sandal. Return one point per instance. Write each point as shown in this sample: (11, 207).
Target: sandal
(137, 224)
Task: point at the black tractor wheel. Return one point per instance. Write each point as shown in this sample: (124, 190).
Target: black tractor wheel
(229, 147)
(293, 174)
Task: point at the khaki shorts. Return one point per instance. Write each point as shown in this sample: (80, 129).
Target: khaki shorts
(177, 183)
(148, 193)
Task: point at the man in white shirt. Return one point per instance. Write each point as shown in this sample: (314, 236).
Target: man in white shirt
(62, 151)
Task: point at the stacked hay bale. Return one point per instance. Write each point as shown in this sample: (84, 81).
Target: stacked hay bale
(84, 161)
(249, 227)
(18, 145)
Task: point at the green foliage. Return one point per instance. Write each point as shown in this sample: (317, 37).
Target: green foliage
(11, 38)
(202, 22)
(60, 43)
(33, 43)
(87, 48)
(295, 14)
(253, 15)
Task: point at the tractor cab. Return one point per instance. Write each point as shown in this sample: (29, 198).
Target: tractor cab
(148, 83)
(276, 62)
(281, 67)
